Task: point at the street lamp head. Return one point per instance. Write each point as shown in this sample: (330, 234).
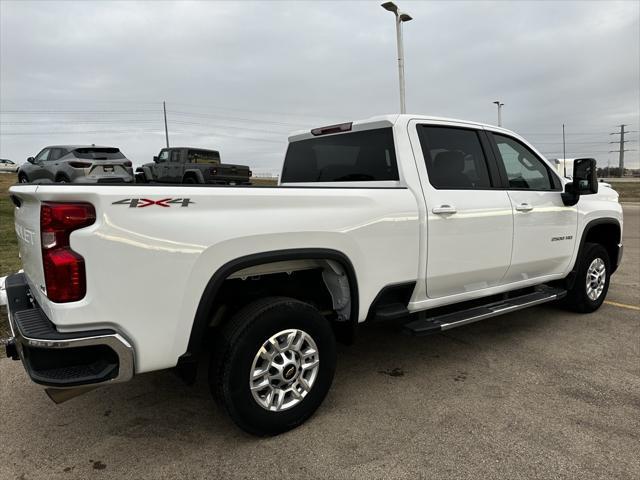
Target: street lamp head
(405, 17)
(497, 102)
(392, 7)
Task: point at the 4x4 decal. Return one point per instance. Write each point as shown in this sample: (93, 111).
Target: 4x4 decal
(145, 202)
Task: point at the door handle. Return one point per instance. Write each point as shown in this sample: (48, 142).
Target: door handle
(524, 207)
(443, 209)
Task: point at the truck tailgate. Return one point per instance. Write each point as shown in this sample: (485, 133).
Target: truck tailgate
(27, 224)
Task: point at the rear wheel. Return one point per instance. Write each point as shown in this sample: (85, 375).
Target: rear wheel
(592, 280)
(189, 180)
(62, 179)
(273, 365)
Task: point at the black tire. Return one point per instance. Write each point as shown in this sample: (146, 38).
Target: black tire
(140, 177)
(22, 178)
(189, 180)
(62, 179)
(236, 349)
(578, 298)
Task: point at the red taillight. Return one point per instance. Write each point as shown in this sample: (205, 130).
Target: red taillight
(64, 272)
(341, 127)
(80, 164)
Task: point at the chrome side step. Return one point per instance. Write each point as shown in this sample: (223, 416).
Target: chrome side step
(430, 325)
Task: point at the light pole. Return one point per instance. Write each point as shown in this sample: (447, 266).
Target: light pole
(400, 18)
(500, 105)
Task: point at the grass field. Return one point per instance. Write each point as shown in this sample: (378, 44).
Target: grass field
(9, 261)
(629, 191)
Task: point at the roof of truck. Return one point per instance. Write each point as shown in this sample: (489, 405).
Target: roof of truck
(388, 120)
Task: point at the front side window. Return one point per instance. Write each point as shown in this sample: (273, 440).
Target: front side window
(164, 156)
(454, 158)
(368, 155)
(43, 155)
(524, 169)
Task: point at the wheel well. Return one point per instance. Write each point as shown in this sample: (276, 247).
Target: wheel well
(60, 176)
(324, 278)
(607, 235)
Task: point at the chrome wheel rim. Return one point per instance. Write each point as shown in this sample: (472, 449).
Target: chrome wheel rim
(284, 370)
(596, 279)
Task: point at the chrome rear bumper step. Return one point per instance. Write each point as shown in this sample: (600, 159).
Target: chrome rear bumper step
(431, 325)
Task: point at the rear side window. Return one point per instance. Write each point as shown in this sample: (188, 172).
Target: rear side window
(203, 156)
(175, 156)
(349, 157)
(97, 153)
(56, 153)
(454, 158)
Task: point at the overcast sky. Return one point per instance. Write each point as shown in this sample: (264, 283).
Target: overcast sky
(239, 76)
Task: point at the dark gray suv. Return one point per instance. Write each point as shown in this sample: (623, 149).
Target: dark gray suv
(77, 163)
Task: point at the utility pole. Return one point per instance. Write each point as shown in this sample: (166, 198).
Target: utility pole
(500, 105)
(621, 149)
(564, 153)
(401, 17)
(166, 130)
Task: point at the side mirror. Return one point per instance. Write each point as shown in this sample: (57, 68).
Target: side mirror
(584, 181)
(584, 176)
(155, 159)
(31, 160)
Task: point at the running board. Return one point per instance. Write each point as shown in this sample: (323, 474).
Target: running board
(431, 325)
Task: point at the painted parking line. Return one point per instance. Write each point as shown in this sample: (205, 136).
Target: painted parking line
(622, 305)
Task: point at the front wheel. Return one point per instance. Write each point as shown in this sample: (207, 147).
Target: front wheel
(592, 280)
(273, 365)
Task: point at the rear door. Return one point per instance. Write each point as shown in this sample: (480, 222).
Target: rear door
(176, 166)
(470, 221)
(544, 228)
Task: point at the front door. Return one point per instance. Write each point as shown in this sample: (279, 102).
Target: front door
(160, 172)
(544, 228)
(41, 164)
(470, 221)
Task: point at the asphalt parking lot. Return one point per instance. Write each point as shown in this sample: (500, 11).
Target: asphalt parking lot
(541, 393)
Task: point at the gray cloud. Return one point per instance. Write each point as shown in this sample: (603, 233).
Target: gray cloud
(239, 76)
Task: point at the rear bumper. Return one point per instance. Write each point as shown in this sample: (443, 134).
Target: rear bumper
(62, 360)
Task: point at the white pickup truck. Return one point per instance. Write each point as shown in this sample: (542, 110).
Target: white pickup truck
(431, 222)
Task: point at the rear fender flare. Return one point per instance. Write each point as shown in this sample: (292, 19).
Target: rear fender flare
(207, 300)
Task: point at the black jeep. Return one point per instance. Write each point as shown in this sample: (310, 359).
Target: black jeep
(192, 165)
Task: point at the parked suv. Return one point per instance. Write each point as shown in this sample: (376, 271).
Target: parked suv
(7, 166)
(192, 165)
(77, 164)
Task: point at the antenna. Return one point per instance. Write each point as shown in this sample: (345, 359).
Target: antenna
(564, 153)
